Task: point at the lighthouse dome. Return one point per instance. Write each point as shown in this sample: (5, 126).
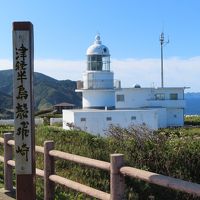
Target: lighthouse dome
(97, 48)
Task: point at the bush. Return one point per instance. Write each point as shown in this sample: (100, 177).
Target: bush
(192, 120)
(172, 152)
(168, 151)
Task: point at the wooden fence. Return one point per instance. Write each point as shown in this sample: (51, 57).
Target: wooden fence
(115, 167)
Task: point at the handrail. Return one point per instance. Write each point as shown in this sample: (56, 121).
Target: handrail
(80, 187)
(115, 167)
(1, 159)
(39, 149)
(1, 140)
(80, 159)
(40, 172)
(165, 181)
(11, 163)
(11, 142)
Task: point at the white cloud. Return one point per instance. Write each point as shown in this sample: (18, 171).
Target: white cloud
(146, 72)
(61, 69)
(5, 64)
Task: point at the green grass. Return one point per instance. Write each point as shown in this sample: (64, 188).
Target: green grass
(174, 152)
(192, 120)
(5, 129)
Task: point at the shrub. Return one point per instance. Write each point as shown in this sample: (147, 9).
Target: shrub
(174, 152)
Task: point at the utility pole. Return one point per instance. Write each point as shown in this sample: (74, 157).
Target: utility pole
(162, 42)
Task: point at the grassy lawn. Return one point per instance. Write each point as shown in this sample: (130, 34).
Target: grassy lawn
(174, 152)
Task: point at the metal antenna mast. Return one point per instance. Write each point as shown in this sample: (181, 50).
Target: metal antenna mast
(162, 42)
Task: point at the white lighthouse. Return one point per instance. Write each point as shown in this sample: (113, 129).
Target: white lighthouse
(105, 105)
(98, 81)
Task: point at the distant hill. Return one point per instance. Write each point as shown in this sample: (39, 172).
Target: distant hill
(48, 91)
(5, 105)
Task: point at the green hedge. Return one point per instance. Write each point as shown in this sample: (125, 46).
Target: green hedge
(171, 152)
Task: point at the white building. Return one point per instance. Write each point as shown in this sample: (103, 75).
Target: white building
(106, 103)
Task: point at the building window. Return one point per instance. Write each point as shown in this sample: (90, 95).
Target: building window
(83, 119)
(95, 62)
(173, 96)
(133, 117)
(120, 97)
(160, 96)
(109, 118)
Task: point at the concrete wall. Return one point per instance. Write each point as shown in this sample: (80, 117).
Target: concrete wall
(146, 97)
(68, 118)
(175, 117)
(98, 80)
(168, 103)
(133, 97)
(162, 117)
(98, 98)
(7, 122)
(38, 121)
(168, 91)
(98, 121)
(55, 121)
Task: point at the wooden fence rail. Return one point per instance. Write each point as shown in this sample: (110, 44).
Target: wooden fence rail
(115, 167)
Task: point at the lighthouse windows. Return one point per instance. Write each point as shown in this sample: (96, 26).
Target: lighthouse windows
(95, 62)
(174, 96)
(83, 119)
(160, 96)
(98, 62)
(133, 117)
(120, 98)
(109, 118)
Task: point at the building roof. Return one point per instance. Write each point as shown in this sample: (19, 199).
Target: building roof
(64, 104)
(97, 48)
(151, 88)
(89, 110)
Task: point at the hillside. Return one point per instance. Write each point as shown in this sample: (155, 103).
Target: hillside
(5, 105)
(48, 91)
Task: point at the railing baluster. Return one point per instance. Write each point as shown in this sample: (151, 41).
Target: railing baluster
(116, 178)
(49, 186)
(116, 168)
(8, 182)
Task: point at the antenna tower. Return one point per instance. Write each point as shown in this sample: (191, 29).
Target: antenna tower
(162, 43)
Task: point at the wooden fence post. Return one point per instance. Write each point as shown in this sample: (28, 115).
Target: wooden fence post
(8, 182)
(49, 186)
(116, 178)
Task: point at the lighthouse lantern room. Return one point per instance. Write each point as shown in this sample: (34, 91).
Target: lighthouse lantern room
(98, 56)
(98, 80)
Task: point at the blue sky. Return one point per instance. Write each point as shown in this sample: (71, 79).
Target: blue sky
(64, 29)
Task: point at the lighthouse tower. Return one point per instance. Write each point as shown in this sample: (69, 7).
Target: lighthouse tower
(98, 81)
(105, 104)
